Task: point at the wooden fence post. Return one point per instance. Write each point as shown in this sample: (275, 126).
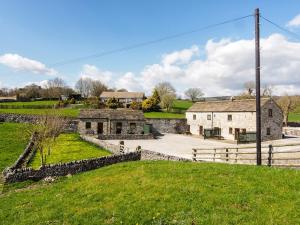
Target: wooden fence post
(215, 151)
(226, 155)
(270, 155)
(121, 147)
(195, 155)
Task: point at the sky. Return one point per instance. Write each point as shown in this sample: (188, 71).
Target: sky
(36, 36)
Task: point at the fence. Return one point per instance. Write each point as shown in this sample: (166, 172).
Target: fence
(279, 155)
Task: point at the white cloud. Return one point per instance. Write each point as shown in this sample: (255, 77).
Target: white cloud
(295, 22)
(18, 62)
(91, 71)
(227, 65)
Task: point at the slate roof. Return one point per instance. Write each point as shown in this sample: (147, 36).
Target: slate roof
(112, 114)
(115, 94)
(247, 105)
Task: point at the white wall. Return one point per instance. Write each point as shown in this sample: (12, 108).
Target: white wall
(241, 120)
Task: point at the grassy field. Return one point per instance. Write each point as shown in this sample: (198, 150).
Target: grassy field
(32, 103)
(13, 140)
(159, 192)
(68, 112)
(294, 117)
(164, 115)
(182, 104)
(69, 147)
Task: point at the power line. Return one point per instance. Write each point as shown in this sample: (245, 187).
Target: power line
(61, 63)
(281, 28)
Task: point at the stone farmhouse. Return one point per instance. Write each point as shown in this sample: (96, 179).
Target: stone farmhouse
(113, 124)
(235, 118)
(126, 98)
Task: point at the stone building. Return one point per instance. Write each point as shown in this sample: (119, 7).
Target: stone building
(126, 98)
(113, 123)
(235, 118)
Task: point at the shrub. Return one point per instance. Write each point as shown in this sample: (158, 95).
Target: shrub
(113, 103)
(136, 105)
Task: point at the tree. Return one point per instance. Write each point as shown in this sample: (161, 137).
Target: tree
(151, 103)
(32, 91)
(164, 88)
(122, 90)
(250, 88)
(47, 128)
(167, 101)
(84, 86)
(267, 90)
(113, 103)
(97, 88)
(194, 93)
(288, 104)
(55, 87)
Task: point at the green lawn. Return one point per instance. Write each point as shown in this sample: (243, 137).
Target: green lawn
(182, 104)
(164, 115)
(159, 192)
(13, 140)
(34, 103)
(68, 112)
(294, 117)
(69, 147)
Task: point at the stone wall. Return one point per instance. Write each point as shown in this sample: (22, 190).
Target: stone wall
(150, 155)
(25, 156)
(174, 126)
(19, 175)
(114, 149)
(22, 118)
(125, 136)
(293, 124)
(294, 131)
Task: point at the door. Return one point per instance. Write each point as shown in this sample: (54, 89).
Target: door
(201, 130)
(119, 128)
(100, 128)
(236, 133)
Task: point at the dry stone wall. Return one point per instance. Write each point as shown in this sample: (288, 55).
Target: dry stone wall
(19, 175)
(174, 126)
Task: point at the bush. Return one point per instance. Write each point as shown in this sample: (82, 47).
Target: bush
(113, 103)
(136, 105)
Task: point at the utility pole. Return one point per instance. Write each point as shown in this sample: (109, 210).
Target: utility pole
(257, 78)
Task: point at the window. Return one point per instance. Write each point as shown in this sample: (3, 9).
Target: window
(208, 117)
(88, 125)
(132, 128)
(229, 117)
(270, 113)
(268, 131)
(194, 117)
(230, 130)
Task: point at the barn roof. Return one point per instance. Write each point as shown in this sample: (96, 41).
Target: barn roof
(119, 114)
(115, 94)
(246, 105)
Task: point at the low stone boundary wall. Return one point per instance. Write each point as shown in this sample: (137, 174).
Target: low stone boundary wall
(293, 124)
(19, 175)
(114, 149)
(23, 118)
(25, 156)
(151, 155)
(174, 126)
(125, 137)
(295, 131)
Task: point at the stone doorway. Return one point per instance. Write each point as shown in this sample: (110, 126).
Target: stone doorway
(119, 128)
(100, 128)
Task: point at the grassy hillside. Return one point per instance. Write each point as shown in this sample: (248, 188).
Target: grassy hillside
(31, 103)
(13, 140)
(69, 147)
(160, 192)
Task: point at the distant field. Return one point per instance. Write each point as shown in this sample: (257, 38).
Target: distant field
(164, 115)
(182, 104)
(69, 147)
(13, 140)
(33, 103)
(294, 117)
(159, 192)
(68, 112)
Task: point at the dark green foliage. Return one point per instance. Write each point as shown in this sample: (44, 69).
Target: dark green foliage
(113, 103)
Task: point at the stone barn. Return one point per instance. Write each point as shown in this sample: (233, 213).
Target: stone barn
(113, 123)
(235, 119)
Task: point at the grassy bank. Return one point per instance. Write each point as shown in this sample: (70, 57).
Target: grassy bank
(68, 112)
(69, 147)
(13, 140)
(160, 192)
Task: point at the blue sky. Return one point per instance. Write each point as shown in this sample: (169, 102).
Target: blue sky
(58, 30)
